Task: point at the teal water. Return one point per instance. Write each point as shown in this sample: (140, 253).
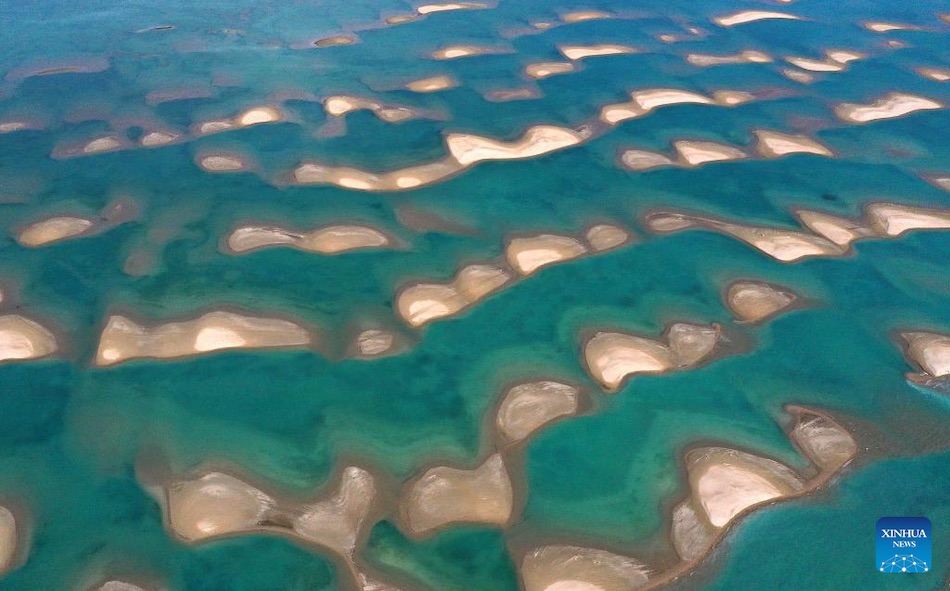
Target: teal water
(71, 435)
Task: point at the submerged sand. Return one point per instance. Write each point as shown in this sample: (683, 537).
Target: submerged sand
(445, 495)
(53, 230)
(123, 339)
(432, 84)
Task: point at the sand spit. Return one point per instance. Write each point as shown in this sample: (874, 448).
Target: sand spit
(644, 101)
(222, 163)
(745, 57)
(612, 357)
(930, 351)
(697, 153)
(9, 540)
(935, 74)
(775, 144)
(444, 495)
(430, 8)
(432, 84)
(22, 339)
(537, 141)
(748, 16)
(890, 105)
(311, 173)
(546, 69)
(573, 568)
(336, 521)
(886, 27)
(579, 16)
(526, 408)
(527, 255)
(335, 41)
(640, 160)
(421, 303)
(889, 219)
(332, 239)
(214, 505)
(53, 230)
(579, 52)
(122, 339)
(754, 301)
(458, 51)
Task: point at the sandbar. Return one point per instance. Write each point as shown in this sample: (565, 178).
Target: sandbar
(445, 495)
(421, 303)
(53, 230)
(22, 338)
(9, 539)
(602, 237)
(430, 8)
(468, 149)
(891, 105)
(527, 255)
(432, 84)
(935, 74)
(222, 163)
(579, 52)
(574, 568)
(813, 65)
(644, 160)
(745, 57)
(884, 27)
(213, 505)
(930, 351)
(612, 357)
(798, 76)
(823, 441)
(360, 180)
(123, 339)
(154, 139)
(644, 101)
(335, 40)
(890, 219)
(748, 16)
(545, 69)
(526, 408)
(458, 51)
(514, 94)
(335, 522)
(696, 153)
(578, 16)
(751, 301)
(373, 342)
(774, 144)
(331, 239)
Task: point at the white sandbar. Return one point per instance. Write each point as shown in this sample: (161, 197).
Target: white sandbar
(579, 52)
(573, 568)
(432, 84)
(527, 255)
(468, 149)
(215, 504)
(325, 240)
(745, 57)
(424, 302)
(53, 230)
(748, 16)
(930, 351)
(891, 105)
(546, 69)
(528, 407)
(774, 144)
(22, 338)
(752, 301)
(336, 521)
(695, 153)
(9, 539)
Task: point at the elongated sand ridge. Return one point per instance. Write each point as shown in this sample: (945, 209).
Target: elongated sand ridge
(374, 342)
(579, 16)
(775, 144)
(9, 540)
(155, 139)
(891, 105)
(798, 76)
(53, 230)
(526, 408)
(331, 239)
(468, 149)
(421, 303)
(547, 69)
(452, 52)
(123, 339)
(575, 568)
(447, 6)
(815, 65)
(432, 84)
(579, 52)
(748, 16)
(644, 101)
(527, 255)
(612, 357)
(886, 27)
(751, 301)
(445, 495)
(23, 339)
(222, 163)
(930, 351)
(247, 118)
(645, 160)
(832, 234)
(744, 57)
(603, 237)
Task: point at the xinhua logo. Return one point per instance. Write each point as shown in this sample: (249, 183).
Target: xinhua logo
(904, 545)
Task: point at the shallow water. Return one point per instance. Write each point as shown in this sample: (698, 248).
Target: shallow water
(75, 438)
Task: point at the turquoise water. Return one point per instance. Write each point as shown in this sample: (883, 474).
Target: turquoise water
(71, 434)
